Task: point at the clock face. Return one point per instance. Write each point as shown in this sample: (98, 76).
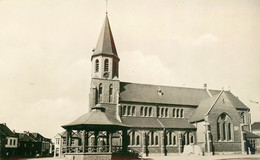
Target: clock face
(106, 75)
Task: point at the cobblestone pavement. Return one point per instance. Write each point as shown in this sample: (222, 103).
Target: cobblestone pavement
(185, 157)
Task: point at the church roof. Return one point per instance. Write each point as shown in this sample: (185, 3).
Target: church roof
(256, 126)
(142, 122)
(94, 120)
(106, 44)
(206, 104)
(159, 123)
(145, 93)
(251, 135)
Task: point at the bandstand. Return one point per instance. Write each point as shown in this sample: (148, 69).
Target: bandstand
(101, 135)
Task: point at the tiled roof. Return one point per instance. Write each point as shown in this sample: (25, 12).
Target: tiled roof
(256, 126)
(153, 122)
(25, 137)
(5, 131)
(95, 118)
(202, 109)
(251, 135)
(134, 92)
(205, 105)
(176, 123)
(142, 122)
(106, 44)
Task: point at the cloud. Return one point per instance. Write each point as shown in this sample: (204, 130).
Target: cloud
(206, 40)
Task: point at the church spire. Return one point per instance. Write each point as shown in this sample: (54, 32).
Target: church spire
(106, 44)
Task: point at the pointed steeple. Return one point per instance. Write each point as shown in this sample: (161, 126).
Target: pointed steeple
(106, 44)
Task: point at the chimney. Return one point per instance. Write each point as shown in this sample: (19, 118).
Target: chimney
(206, 88)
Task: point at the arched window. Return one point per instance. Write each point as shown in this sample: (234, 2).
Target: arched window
(224, 131)
(191, 138)
(152, 138)
(181, 113)
(170, 138)
(145, 111)
(111, 93)
(133, 137)
(243, 117)
(141, 111)
(218, 131)
(229, 131)
(137, 140)
(100, 92)
(177, 111)
(174, 139)
(162, 112)
(156, 140)
(106, 65)
(128, 110)
(173, 113)
(133, 111)
(158, 112)
(166, 112)
(97, 65)
(224, 128)
(150, 111)
(124, 110)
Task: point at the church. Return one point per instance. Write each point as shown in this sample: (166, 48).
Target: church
(156, 119)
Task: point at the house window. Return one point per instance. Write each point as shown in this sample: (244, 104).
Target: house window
(97, 65)
(152, 138)
(14, 142)
(171, 139)
(111, 93)
(150, 111)
(10, 142)
(224, 128)
(133, 111)
(158, 112)
(73, 142)
(141, 111)
(174, 139)
(64, 141)
(173, 113)
(106, 65)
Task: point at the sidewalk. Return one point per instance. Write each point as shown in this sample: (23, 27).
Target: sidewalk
(210, 157)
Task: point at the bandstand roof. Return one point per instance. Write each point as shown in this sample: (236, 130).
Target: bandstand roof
(97, 119)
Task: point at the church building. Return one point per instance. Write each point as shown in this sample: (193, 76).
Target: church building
(164, 119)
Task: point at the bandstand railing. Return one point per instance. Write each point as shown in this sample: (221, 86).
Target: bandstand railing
(93, 149)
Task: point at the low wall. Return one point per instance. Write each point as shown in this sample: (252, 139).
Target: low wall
(83, 156)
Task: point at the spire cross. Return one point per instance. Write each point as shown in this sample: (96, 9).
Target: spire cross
(106, 7)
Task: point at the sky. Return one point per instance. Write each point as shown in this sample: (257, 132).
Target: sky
(46, 46)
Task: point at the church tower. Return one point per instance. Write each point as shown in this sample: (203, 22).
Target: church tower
(105, 68)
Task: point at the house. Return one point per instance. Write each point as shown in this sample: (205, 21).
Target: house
(256, 142)
(43, 145)
(8, 142)
(60, 143)
(163, 120)
(27, 145)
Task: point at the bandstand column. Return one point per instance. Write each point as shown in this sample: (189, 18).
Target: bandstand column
(84, 140)
(125, 140)
(110, 142)
(96, 139)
